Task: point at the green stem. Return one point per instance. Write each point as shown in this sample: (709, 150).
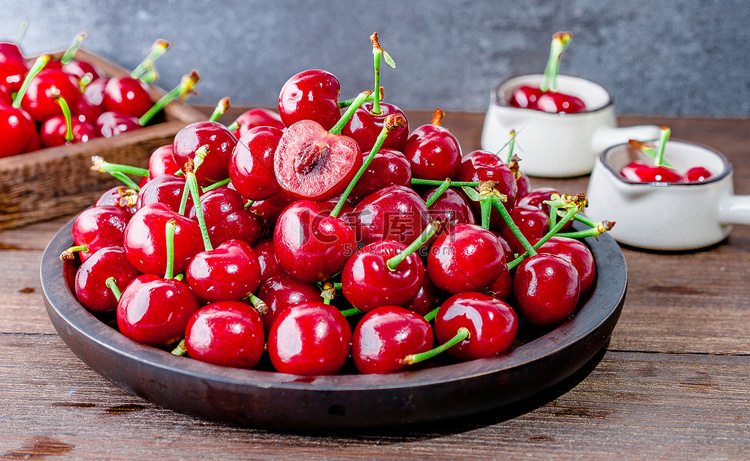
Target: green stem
(435, 182)
(68, 117)
(180, 91)
(180, 349)
(663, 138)
(338, 286)
(258, 304)
(39, 64)
(414, 246)
(73, 49)
(438, 192)
(498, 205)
(553, 231)
(586, 220)
(511, 146)
(377, 52)
(349, 113)
(112, 285)
(592, 232)
(485, 205)
(351, 312)
(69, 254)
(430, 316)
(21, 32)
(146, 66)
(170, 228)
(192, 184)
(345, 103)
(125, 180)
(99, 165)
(559, 42)
(183, 200)
(219, 110)
(461, 334)
(233, 126)
(216, 185)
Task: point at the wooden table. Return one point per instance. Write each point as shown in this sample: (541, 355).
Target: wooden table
(673, 383)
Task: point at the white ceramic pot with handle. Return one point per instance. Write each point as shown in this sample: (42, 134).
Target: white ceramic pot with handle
(557, 145)
(667, 216)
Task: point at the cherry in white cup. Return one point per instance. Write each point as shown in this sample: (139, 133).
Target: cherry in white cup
(557, 145)
(667, 216)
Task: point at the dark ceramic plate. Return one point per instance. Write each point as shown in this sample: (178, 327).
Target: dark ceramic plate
(265, 399)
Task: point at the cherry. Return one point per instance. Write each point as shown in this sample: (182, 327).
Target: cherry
(469, 258)
(10, 51)
(309, 339)
(492, 325)
(145, 239)
(385, 336)
(220, 142)
(90, 284)
(81, 69)
(481, 165)
(525, 97)
(313, 163)
(227, 218)
(256, 118)
(119, 196)
(576, 253)
(502, 288)
(229, 272)
(365, 126)
(560, 103)
(166, 189)
(155, 310)
(311, 245)
(93, 93)
(310, 95)
(127, 95)
(433, 151)
(112, 123)
(450, 208)
(17, 130)
(228, 333)
(392, 213)
(696, 174)
(546, 288)
(283, 291)
(369, 280)
(388, 167)
(54, 131)
(251, 165)
(269, 264)
(427, 298)
(641, 172)
(98, 227)
(161, 161)
(40, 97)
(268, 210)
(12, 73)
(531, 221)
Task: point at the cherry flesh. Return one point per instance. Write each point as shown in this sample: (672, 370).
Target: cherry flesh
(546, 288)
(310, 95)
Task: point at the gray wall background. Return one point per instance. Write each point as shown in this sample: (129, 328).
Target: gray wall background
(662, 57)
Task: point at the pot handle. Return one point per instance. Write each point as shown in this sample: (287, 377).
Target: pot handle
(734, 209)
(608, 136)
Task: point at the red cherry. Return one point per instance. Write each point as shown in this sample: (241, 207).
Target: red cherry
(482, 165)
(492, 325)
(427, 298)
(251, 163)
(385, 336)
(576, 253)
(17, 130)
(525, 97)
(283, 291)
(392, 213)
(12, 74)
(93, 93)
(309, 339)
(90, 282)
(388, 167)
(98, 227)
(55, 129)
(547, 289)
(254, 118)
(696, 174)
(229, 272)
(368, 282)
(81, 69)
(228, 333)
(39, 100)
(269, 264)
(450, 208)
(155, 311)
(556, 102)
(127, 95)
(227, 218)
(502, 288)
(433, 151)
(365, 127)
(268, 210)
(166, 189)
(312, 163)
(10, 51)
(113, 123)
(162, 162)
(531, 221)
(220, 141)
(310, 95)
(640, 172)
(119, 196)
(468, 259)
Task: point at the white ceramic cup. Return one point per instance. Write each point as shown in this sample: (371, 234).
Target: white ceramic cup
(557, 145)
(661, 216)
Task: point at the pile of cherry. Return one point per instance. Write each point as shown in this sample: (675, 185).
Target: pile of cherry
(330, 241)
(48, 102)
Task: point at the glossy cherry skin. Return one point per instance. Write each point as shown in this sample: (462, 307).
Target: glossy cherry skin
(145, 239)
(309, 339)
(387, 335)
(310, 244)
(220, 141)
(502, 288)
(166, 189)
(525, 97)
(368, 283)
(39, 100)
(531, 221)
(119, 196)
(10, 51)
(365, 127)
(90, 282)
(640, 172)
(251, 163)
(86, 112)
(537, 197)
(575, 252)
(468, 259)
(546, 288)
(696, 174)
(451, 208)
(12, 74)
(481, 165)
(98, 227)
(427, 298)
(283, 291)
(268, 210)
(311, 163)
(557, 103)
(55, 128)
(17, 130)
(112, 123)
(127, 95)
(492, 325)
(229, 272)
(228, 333)
(162, 162)
(80, 69)
(388, 167)
(392, 213)
(94, 92)
(433, 153)
(155, 311)
(227, 218)
(269, 264)
(524, 185)
(310, 95)
(257, 117)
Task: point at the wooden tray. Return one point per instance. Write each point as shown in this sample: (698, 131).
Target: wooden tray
(57, 181)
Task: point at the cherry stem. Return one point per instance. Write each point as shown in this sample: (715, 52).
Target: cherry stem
(663, 138)
(485, 205)
(181, 91)
(170, 229)
(603, 225)
(430, 316)
(192, 184)
(39, 64)
(220, 109)
(568, 216)
(391, 122)
(69, 254)
(438, 192)
(414, 246)
(377, 52)
(216, 185)
(560, 41)
(66, 113)
(146, 68)
(351, 312)
(349, 112)
(258, 304)
(180, 350)
(112, 285)
(233, 126)
(498, 205)
(328, 292)
(462, 334)
(349, 102)
(435, 182)
(511, 145)
(73, 49)
(594, 231)
(21, 32)
(99, 165)
(437, 117)
(648, 150)
(125, 180)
